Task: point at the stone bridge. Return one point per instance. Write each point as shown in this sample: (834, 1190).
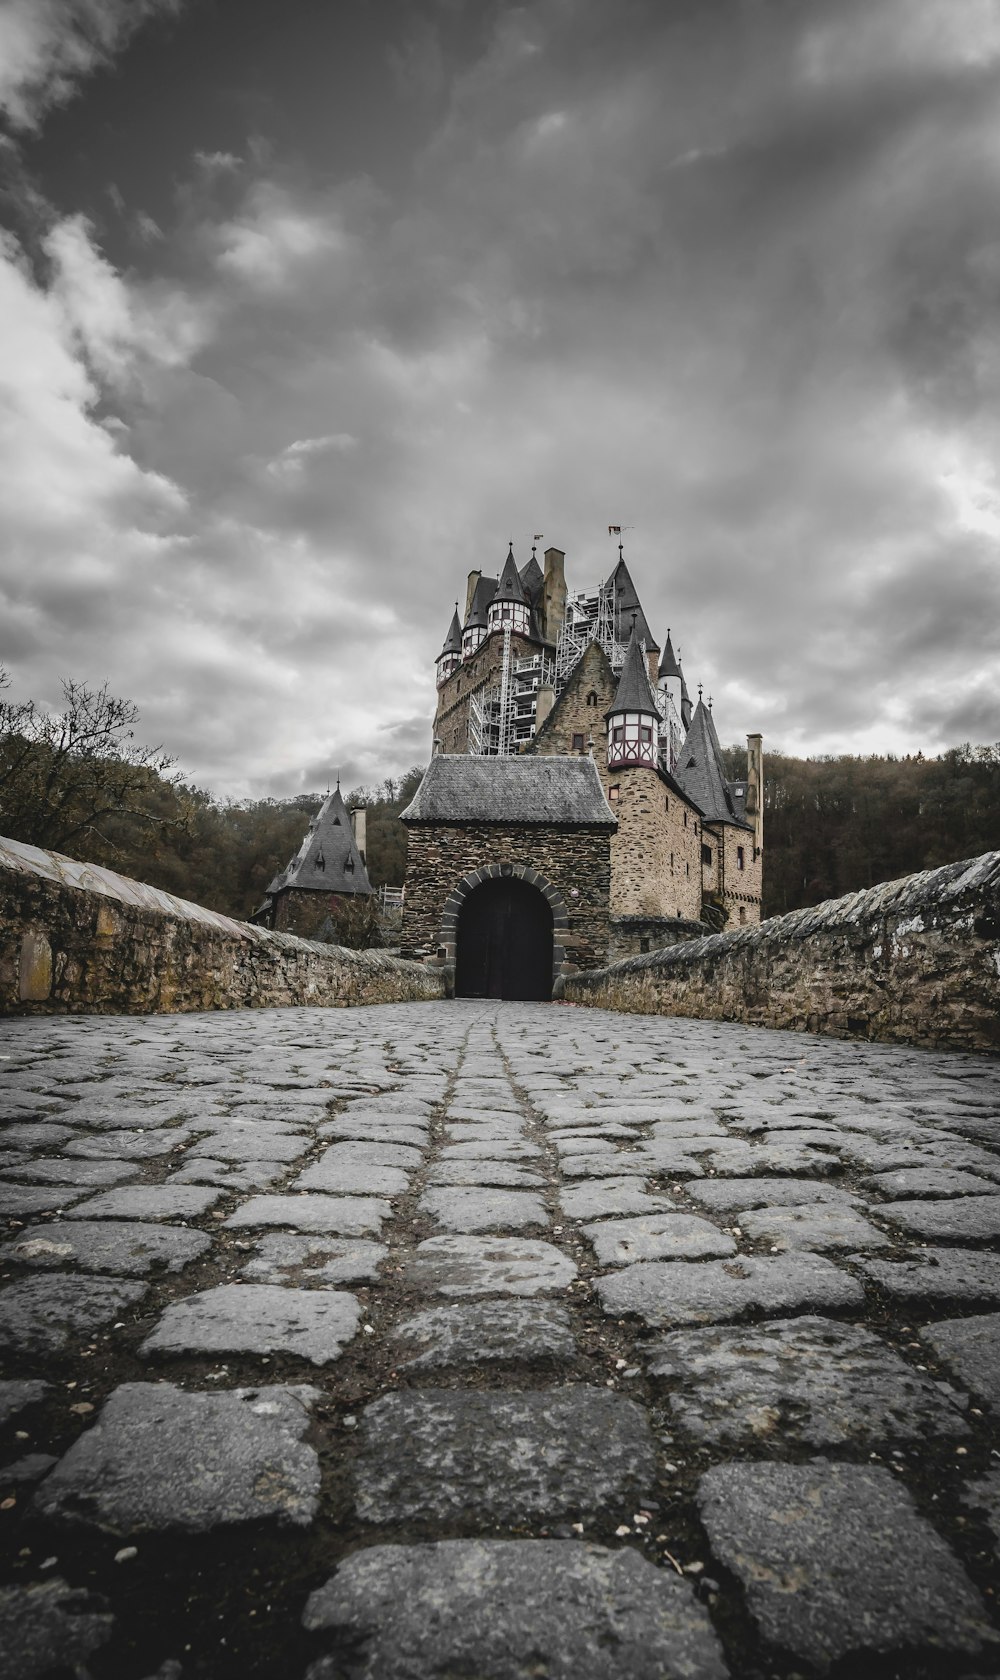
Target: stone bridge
(443, 1339)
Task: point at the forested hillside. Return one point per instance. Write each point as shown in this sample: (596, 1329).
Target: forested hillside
(832, 825)
(79, 783)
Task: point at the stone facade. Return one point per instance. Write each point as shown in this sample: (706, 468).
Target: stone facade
(633, 936)
(733, 879)
(75, 938)
(915, 961)
(655, 855)
(571, 865)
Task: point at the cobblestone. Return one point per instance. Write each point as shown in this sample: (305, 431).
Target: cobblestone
(400, 1433)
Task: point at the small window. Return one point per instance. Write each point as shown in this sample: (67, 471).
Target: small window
(706, 854)
(613, 792)
(645, 733)
(687, 869)
(685, 819)
(666, 803)
(618, 733)
(671, 861)
(592, 698)
(577, 743)
(743, 915)
(740, 858)
(644, 942)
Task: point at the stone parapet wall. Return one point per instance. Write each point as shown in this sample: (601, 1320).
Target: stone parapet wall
(75, 938)
(915, 961)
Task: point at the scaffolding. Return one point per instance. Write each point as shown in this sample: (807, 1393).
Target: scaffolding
(589, 618)
(502, 717)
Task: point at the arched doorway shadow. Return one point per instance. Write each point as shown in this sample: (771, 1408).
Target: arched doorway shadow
(505, 943)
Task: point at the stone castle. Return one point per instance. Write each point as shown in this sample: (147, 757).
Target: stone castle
(576, 808)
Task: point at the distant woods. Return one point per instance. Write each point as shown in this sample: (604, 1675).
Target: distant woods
(78, 781)
(833, 825)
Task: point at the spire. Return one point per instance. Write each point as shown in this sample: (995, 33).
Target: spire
(453, 640)
(669, 664)
(700, 770)
(625, 602)
(510, 587)
(634, 693)
(531, 579)
(686, 708)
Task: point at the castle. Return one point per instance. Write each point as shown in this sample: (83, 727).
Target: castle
(576, 807)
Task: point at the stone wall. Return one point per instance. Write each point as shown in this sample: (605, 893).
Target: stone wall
(737, 890)
(656, 853)
(915, 961)
(75, 938)
(575, 862)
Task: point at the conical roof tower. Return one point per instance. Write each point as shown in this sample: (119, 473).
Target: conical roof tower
(633, 720)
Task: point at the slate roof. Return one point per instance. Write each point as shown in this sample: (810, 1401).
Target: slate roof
(510, 587)
(625, 602)
(320, 864)
(634, 691)
(532, 579)
(461, 788)
(669, 664)
(700, 772)
(453, 640)
(482, 595)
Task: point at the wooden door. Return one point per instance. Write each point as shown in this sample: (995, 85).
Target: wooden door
(505, 943)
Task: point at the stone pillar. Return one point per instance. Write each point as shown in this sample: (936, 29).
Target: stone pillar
(359, 823)
(553, 593)
(755, 790)
(544, 704)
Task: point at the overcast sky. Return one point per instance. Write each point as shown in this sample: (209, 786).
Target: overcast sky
(306, 308)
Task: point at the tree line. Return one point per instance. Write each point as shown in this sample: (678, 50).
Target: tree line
(835, 824)
(79, 781)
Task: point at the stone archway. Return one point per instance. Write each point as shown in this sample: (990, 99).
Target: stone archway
(513, 872)
(504, 946)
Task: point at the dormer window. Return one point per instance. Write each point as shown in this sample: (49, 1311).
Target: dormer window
(349, 866)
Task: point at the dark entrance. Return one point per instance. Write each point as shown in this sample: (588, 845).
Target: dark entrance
(505, 943)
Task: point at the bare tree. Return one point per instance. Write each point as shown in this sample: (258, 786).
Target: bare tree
(63, 774)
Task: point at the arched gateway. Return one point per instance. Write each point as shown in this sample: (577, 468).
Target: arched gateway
(508, 872)
(505, 942)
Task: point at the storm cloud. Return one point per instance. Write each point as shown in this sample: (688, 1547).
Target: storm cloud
(277, 375)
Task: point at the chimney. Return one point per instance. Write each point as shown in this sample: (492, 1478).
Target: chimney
(755, 790)
(553, 594)
(544, 703)
(470, 590)
(359, 823)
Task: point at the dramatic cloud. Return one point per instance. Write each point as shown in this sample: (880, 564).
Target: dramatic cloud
(47, 47)
(726, 275)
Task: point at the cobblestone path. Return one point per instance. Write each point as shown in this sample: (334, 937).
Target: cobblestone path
(474, 1340)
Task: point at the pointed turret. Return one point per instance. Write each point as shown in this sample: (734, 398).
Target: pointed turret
(633, 720)
(700, 770)
(624, 604)
(328, 858)
(686, 709)
(532, 580)
(669, 666)
(510, 605)
(477, 617)
(450, 657)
